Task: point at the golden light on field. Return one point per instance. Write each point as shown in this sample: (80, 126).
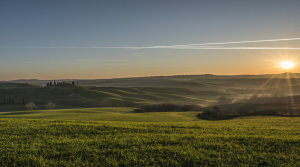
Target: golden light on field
(287, 65)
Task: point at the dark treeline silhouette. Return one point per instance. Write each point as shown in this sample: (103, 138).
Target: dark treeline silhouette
(59, 83)
(12, 101)
(218, 114)
(166, 107)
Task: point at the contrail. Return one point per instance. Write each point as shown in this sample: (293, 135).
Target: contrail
(168, 47)
(65, 47)
(186, 46)
(242, 48)
(240, 42)
(223, 43)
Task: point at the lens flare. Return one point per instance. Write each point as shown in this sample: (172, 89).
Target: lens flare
(287, 65)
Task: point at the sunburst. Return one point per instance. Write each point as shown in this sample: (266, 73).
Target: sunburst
(287, 64)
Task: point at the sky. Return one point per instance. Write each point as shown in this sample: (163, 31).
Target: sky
(75, 39)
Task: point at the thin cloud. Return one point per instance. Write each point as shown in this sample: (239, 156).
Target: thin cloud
(271, 60)
(48, 63)
(107, 60)
(109, 64)
(98, 60)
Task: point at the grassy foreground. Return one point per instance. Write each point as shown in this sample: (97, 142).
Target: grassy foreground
(247, 141)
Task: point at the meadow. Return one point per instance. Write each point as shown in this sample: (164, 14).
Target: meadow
(81, 133)
(123, 114)
(245, 141)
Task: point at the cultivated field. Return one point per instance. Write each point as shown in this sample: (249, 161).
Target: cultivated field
(124, 114)
(79, 132)
(246, 141)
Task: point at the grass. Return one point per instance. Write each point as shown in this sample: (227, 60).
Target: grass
(120, 137)
(248, 141)
(9, 85)
(102, 114)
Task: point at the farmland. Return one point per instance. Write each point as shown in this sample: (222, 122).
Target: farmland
(81, 132)
(248, 141)
(124, 114)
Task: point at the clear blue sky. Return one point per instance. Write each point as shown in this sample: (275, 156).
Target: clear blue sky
(62, 39)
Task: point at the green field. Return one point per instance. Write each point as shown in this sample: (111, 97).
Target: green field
(81, 133)
(246, 141)
(10, 85)
(103, 114)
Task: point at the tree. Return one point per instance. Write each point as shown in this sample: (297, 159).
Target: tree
(30, 106)
(4, 100)
(50, 83)
(23, 100)
(77, 83)
(216, 109)
(12, 101)
(50, 105)
(73, 83)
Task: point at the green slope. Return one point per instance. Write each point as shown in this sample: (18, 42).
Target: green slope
(8, 85)
(78, 96)
(103, 114)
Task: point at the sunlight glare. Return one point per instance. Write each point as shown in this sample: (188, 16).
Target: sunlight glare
(287, 65)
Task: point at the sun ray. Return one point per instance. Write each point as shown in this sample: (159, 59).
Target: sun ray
(255, 92)
(292, 107)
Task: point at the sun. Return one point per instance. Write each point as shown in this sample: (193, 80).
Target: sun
(287, 65)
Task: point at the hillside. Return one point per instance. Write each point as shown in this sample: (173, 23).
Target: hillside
(124, 114)
(73, 96)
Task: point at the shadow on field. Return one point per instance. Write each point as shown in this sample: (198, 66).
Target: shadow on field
(19, 113)
(227, 117)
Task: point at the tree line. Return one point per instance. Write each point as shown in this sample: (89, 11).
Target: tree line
(60, 83)
(12, 101)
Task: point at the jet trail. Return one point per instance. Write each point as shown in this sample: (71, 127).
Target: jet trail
(242, 48)
(186, 46)
(240, 42)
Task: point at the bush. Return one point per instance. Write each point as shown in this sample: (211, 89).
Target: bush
(30, 106)
(50, 105)
(168, 107)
